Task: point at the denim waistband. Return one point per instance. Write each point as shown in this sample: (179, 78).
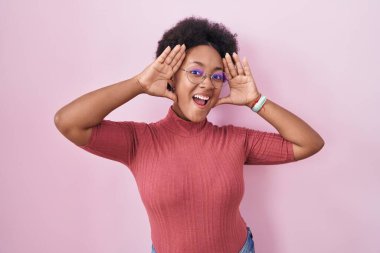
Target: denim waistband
(249, 246)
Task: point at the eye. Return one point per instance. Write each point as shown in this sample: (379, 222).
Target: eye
(196, 72)
(218, 76)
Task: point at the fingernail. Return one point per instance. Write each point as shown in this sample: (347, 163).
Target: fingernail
(234, 53)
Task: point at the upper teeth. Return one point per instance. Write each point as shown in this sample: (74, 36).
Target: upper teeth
(201, 97)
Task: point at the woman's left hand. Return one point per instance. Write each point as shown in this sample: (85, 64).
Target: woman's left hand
(243, 90)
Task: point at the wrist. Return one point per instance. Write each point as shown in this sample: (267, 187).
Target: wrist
(259, 105)
(140, 86)
(254, 101)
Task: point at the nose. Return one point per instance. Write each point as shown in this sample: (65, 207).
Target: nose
(207, 83)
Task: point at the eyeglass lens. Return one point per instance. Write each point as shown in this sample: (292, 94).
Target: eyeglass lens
(197, 75)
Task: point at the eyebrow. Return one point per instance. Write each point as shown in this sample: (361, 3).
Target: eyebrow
(200, 63)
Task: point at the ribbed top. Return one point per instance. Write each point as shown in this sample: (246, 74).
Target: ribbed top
(190, 176)
(183, 127)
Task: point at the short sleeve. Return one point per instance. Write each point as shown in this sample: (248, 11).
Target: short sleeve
(113, 140)
(267, 148)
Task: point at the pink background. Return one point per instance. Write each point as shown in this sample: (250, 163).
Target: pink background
(318, 59)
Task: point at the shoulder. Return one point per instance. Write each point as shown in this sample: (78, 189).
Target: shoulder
(128, 127)
(230, 129)
(123, 124)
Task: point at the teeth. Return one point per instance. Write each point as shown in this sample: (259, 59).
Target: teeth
(201, 97)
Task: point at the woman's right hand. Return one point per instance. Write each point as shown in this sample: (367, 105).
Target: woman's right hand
(155, 78)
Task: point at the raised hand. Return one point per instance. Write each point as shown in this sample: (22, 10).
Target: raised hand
(157, 75)
(243, 90)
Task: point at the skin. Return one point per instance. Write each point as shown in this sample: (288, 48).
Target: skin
(210, 61)
(76, 119)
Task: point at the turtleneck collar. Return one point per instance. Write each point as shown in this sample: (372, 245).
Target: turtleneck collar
(183, 127)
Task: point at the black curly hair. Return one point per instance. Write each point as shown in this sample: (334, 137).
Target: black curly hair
(195, 31)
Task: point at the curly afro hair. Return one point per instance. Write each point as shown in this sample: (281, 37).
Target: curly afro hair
(193, 31)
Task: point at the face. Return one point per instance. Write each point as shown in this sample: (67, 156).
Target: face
(200, 58)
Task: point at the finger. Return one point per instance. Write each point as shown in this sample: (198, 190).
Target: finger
(179, 63)
(238, 64)
(178, 56)
(226, 70)
(163, 55)
(171, 55)
(231, 65)
(247, 69)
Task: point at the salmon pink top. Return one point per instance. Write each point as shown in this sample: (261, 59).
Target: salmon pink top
(189, 176)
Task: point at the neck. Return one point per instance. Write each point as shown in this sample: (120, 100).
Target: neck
(178, 112)
(184, 127)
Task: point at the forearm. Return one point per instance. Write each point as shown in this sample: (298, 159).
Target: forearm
(91, 108)
(291, 127)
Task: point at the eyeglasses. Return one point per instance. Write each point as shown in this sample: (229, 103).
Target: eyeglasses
(197, 75)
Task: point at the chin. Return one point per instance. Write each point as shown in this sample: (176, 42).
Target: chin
(190, 112)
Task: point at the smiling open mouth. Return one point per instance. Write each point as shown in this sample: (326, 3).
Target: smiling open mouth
(201, 100)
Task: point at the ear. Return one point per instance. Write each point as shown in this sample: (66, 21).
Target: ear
(173, 83)
(170, 85)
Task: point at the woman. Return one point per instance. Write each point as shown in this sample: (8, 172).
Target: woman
(189, 172)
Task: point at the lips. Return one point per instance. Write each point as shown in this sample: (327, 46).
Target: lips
(201, 100)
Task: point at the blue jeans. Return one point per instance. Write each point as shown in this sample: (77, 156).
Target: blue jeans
(248, 247)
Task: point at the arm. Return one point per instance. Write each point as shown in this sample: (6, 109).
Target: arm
(243, 91)
(306, 141)
(76, 119)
